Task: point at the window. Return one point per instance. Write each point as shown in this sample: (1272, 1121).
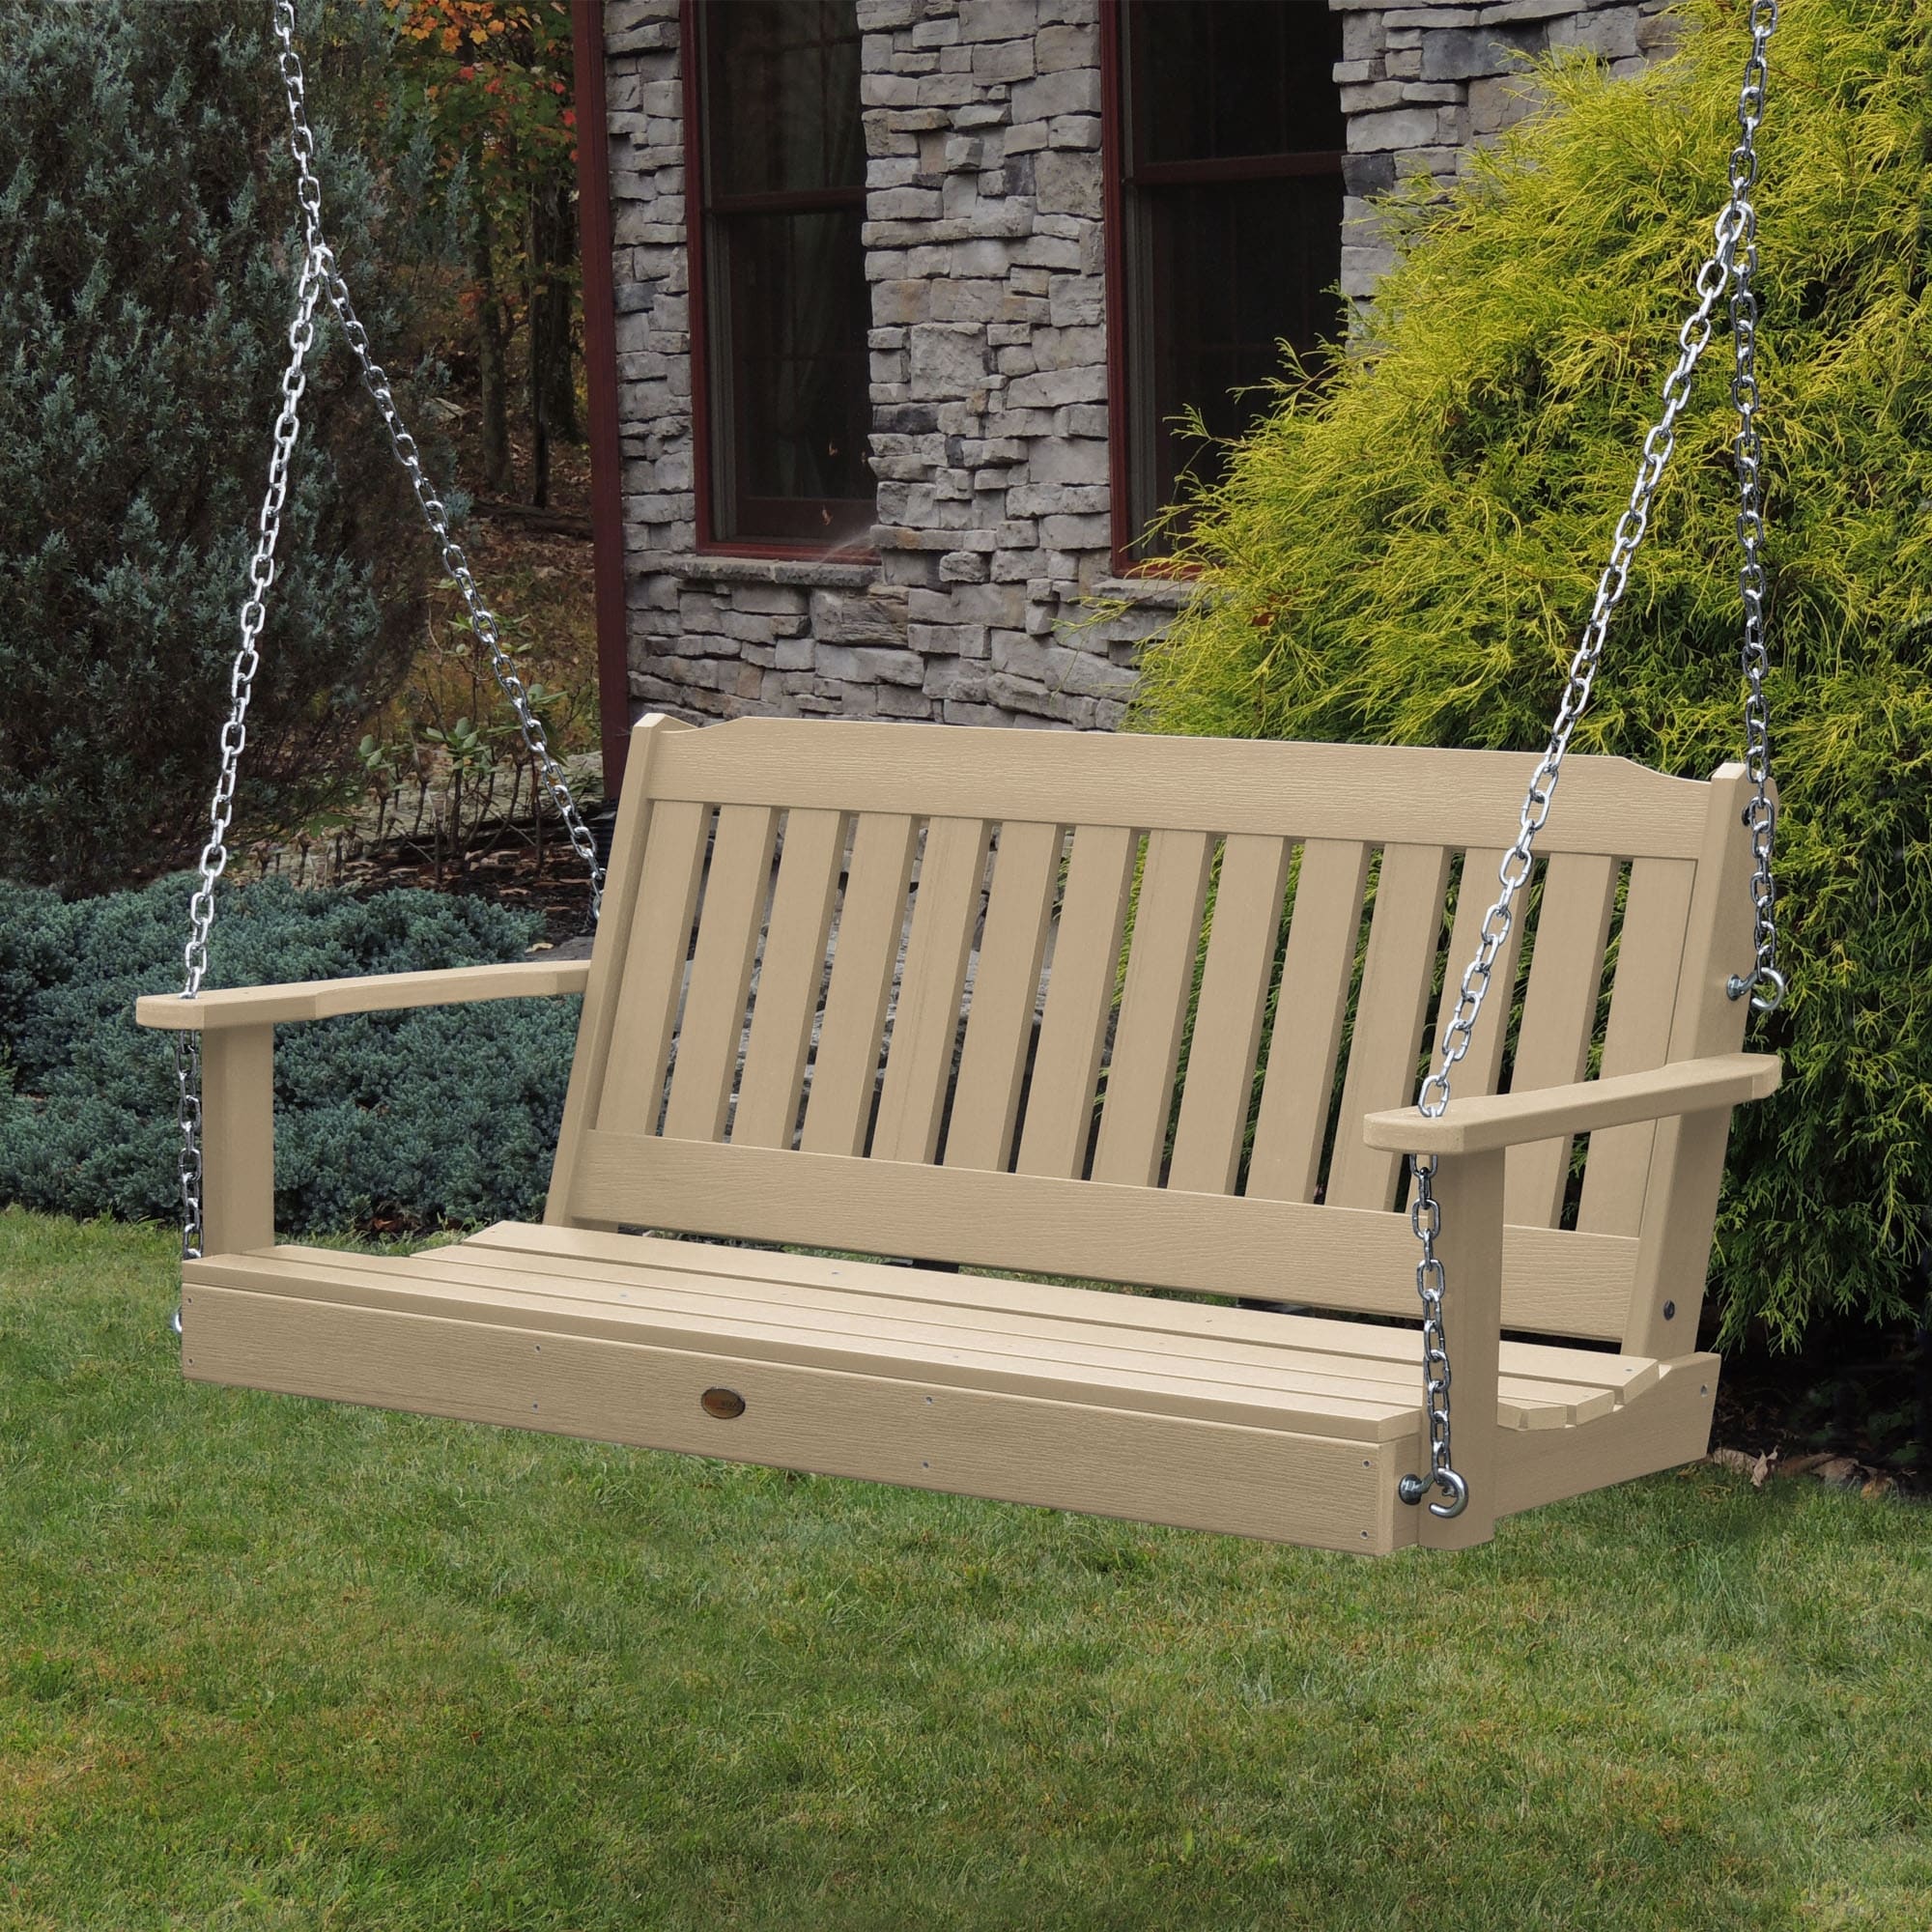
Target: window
(779, 274)
(1229, 157)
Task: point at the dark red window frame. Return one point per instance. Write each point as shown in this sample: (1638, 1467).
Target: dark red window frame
(700, 210)
(1121, 366)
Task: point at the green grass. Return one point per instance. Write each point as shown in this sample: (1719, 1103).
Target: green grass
(269, 1663)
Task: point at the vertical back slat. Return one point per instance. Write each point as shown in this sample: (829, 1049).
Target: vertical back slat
(1559, 1016)
(868, 950)
(1228, 1021)
(653, 977)
(925, 1027)
(789, 979)
(1006, 989)
(1397, 981)
(1153, 1008)
(1687, 1157)
(1315, 973)
(1079, 998)
(713, 1026)
(1650, 954)
(591, 1064)
(1480, 1066)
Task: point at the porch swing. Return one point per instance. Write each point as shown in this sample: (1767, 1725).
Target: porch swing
(857, 987)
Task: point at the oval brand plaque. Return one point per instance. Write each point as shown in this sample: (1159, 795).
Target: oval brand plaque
(724, 1404)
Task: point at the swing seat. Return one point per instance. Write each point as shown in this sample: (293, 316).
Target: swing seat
(951, 997)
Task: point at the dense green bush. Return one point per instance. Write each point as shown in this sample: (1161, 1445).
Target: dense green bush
(415, 1118)
(1409, 555)
(148, 246)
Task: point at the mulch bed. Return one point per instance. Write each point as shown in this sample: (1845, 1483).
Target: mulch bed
(508, 875)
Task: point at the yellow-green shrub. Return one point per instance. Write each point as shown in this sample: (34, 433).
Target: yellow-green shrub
(1409, 554)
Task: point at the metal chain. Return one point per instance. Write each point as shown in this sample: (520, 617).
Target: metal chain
(1765, 984)
(1425, 1216)
(1731, 264)
(233, 736)
(320, 275)
(482, 619)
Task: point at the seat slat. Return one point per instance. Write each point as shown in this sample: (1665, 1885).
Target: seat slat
(1228, 1021)
(791, 1321)
(713, 1026)
(1559, 1015)
(1650, 951)
(1159, 1316)
(1166, 942)
(920, 1338)
(1325, 925)
(653, 979)
(789, 979)
(1386, 1047)
(925, 1026)
(873, 917)
(1006, 991)
(1299, 1357)
(1356, 1417)
(1079, 999)
(987, 1319)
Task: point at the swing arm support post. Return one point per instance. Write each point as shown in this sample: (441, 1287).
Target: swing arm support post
(237, 1026)
(238, 1084)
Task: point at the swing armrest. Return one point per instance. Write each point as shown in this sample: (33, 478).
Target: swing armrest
(1485, 1123)
(374, 993)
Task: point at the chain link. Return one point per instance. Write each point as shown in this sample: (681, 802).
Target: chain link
(321, 276)
(1731, 264)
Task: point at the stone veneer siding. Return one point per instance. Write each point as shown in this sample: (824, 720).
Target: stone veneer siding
(985, 256)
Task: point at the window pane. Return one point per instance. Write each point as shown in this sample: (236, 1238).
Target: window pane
(1220, 270)
(1218, 78)
(796, 309)
(782, 96)
(1233, 268)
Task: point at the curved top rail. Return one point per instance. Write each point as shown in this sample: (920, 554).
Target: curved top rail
(1381, 794)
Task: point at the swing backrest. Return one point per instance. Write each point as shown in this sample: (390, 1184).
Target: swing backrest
(1112, 1006)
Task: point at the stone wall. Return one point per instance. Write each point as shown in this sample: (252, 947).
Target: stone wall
(986, 258)
(1423, 85)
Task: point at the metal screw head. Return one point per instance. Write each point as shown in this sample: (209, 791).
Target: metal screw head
(1670, 1311)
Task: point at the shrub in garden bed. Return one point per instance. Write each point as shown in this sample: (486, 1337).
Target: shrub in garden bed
(149, 240)
(407, 1119)
(1409, 554)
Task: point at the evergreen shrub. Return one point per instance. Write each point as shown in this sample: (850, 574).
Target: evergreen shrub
(148, 242)
(410, 1120)
(1408, 555)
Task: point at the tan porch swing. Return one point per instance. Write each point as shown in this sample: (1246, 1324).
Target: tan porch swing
(855, 987)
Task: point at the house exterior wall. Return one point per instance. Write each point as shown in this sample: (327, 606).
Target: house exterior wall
(992, 598)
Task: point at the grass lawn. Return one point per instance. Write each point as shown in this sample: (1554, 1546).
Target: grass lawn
(269, 1663)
